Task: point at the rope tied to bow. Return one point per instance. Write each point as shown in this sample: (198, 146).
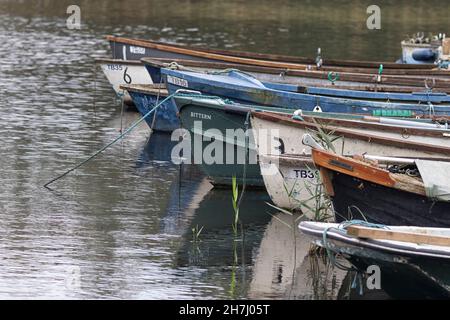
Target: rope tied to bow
(128, 130)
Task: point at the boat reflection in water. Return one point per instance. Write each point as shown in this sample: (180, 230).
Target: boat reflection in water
(225, 258)
(188, 186)
(285, 268)
(267, 258)
(158, 148)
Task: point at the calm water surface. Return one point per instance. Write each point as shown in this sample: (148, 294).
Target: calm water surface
(120, 227)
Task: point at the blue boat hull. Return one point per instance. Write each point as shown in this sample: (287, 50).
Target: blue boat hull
(273, 81)
(166, 115)
(245, 89)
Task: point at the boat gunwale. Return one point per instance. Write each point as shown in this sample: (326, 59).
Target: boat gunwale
(116, 61)
(376, 244)
(162, 62)
(366, 171)
(363, 124)
(146, 89)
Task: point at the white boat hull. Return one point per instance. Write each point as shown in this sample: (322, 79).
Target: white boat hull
(295, 185)
(123, 72)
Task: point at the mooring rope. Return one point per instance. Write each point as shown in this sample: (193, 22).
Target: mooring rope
(127, 131)
(342, 228)
(244, 174)
(229, 70)
(176, 66)
(122, 106)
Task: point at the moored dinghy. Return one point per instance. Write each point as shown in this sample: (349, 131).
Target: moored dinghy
(146, 97)
(212, 120)
(400, 192)
(293, 182)
(244, 88)
(119, 72)
(413, 261)
(135, 49)
(354, 80)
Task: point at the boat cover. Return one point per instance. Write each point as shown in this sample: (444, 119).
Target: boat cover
(436, 178)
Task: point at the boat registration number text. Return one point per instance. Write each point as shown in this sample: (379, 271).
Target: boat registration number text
(115, 67)
(177, 81)
(304, 173)
(137, 50)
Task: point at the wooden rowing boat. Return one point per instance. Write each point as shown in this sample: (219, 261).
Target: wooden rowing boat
(337, 72)
(135, 49)
(208, 121)
(293, 183)
(243, 88)
(365, 190)
(302, 79)
(400, 254)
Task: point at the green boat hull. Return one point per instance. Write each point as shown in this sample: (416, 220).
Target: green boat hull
(199, 118)
(220, 116)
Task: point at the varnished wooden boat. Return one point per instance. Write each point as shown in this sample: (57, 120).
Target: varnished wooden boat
(135, 49)
(364, 190)
(410, 267)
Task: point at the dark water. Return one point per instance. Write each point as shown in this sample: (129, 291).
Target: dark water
(120, 226)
